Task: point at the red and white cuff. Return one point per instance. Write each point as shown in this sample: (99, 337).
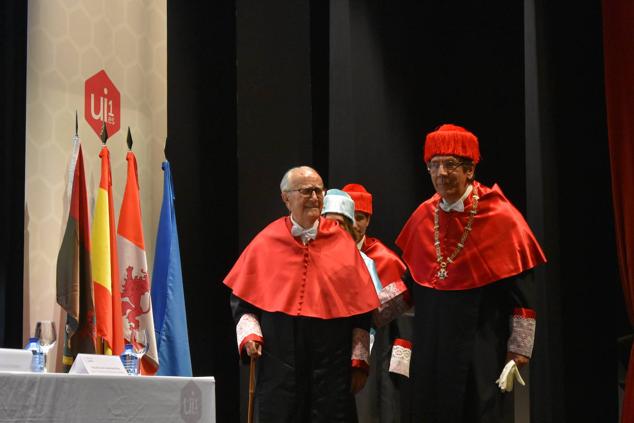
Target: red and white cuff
(248, 329)
(360, 348)
(401, 357)
(395, 300)
(522, 332)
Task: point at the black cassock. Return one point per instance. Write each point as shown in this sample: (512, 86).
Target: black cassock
(459, 349)
(305, 370)
(386, 395)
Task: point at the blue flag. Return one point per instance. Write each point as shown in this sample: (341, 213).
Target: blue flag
(168, 299)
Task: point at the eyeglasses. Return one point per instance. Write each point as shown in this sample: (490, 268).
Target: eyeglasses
(308, 191)
(449, 165)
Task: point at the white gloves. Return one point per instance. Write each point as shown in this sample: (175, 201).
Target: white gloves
(507, 377)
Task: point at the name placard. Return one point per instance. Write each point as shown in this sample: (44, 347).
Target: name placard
(13, 360)
(95, 364)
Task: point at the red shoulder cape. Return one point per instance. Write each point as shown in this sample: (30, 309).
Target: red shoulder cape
(326, 278)
(499, 246)
(388, 265)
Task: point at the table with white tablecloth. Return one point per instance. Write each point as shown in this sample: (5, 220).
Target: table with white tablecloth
(57, 397)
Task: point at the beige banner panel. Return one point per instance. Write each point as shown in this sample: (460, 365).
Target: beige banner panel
(68, 42)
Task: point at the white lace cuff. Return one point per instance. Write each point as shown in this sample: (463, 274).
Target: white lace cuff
(522, 332)
(401, 356)
(247, 329)
(360, 346)
(394, 300)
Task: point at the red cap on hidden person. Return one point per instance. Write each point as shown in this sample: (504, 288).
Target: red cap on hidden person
(452, 140)
(362, 198)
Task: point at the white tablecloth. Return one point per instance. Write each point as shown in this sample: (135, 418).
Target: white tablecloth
(55, 397)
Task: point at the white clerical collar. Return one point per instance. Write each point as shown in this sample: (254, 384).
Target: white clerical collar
(360, 243)
(306, 235)
(458, 205)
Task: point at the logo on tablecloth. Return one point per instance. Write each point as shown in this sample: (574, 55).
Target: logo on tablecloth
(191, 403)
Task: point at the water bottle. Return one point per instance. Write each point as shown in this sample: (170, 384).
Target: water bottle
(37, 362)
(130, 360)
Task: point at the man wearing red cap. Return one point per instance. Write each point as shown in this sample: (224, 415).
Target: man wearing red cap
(470, 254)
(302, 298)
(380, 401)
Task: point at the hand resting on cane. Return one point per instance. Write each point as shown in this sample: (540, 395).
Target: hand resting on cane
(254, 349)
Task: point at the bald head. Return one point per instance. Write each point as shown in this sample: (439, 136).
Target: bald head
(293, 173)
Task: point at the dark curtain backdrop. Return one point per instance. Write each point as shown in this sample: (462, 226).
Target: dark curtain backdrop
(399, 70)
(618, 19)
(274, 114)
(574, 370)
(202, 149)
(543, 214)
(352, 87)
(13, 14)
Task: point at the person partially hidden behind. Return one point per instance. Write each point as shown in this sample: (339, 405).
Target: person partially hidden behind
(470, 254)
(301, 299)
(385, 397)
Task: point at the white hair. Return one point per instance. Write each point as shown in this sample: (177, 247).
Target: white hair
(284, 184)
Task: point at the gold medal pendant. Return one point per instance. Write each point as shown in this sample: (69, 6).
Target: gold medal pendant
(442, 273)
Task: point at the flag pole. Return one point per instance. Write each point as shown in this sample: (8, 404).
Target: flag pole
(251, 389)
(103, 137)
(104, 134)
(129, 140)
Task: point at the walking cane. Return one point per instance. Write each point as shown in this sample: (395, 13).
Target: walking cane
(251, 389)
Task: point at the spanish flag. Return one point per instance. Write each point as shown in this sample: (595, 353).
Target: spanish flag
(136, 301)
(105, 268)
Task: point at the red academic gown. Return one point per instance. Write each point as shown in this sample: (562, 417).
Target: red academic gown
(307, 300)
(462, 321)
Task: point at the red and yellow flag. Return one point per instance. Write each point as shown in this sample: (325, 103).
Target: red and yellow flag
(105, 268)
(136, 302)
(74, 280)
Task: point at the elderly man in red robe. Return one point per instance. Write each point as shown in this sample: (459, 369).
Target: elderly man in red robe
(302, 301)
(470, 254)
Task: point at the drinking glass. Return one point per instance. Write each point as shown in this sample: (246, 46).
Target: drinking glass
(140, 344)
(47, 335)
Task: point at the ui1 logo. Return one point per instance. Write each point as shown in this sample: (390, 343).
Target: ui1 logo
(102, 103)
(191, 403)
